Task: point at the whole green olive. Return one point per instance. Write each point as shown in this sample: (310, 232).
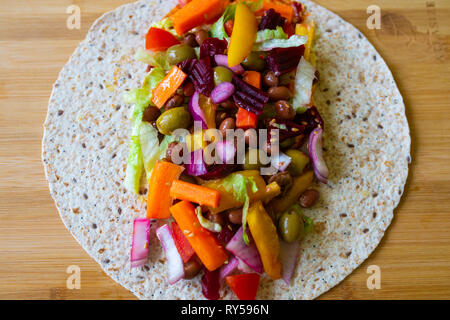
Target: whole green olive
(254, 62)
(252, 160)
(173, 119)
(179, 52)
(286, 144)
(299, 161)
(222, 74)
(290, 226)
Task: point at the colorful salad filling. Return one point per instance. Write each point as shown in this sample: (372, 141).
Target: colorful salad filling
(228, 215)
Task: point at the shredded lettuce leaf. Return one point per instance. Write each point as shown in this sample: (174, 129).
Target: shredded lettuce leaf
(205, 223)
(154, 59)
(266, 34)
(148, 138)
(306, 73)
(237, 184)
(293, 41)
(141, 98)
(165, 24)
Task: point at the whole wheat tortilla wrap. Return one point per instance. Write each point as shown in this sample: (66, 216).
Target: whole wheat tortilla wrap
(85, 147)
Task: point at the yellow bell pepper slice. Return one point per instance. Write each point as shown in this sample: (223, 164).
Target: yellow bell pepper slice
(299, 186)
(243, 36)
(196, 141)
(306, 29)
(265, 235)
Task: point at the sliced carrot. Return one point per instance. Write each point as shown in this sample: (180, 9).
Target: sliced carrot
(194, 193)
(159, 200)
(196, 13)
(286, 10)
(168, 86)
(246, 120)
(205, 244)
(253, 78)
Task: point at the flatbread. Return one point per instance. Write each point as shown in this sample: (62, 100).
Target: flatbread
(85, 149)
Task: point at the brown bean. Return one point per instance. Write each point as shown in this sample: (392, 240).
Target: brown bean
(188, 89)
(309, 198)
(284, 110)
(189, 39)
(220, 116)
(169, 152)
(200, 36)
(218, 218)
(151, 114)
(192, 268)
(271, 80)
(174, 102)
(229, 104)
(235, 216)
(227, 124)
(279, 93)
(283, 179)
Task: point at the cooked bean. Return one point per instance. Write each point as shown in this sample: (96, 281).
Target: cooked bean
(169, 152)
(309, 198)
(227, 124)
(192, 268)
(284, 110)
(235, 216)
(218, 218)
(271, 80)
(201, 36)
(174, 102)
(279, 93)
(151, 114)
(283, 179)
(220, 116)
(188, 89)
(189, 39)
(229, 104)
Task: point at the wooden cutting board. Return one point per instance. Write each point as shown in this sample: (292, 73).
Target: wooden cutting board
(35, 247)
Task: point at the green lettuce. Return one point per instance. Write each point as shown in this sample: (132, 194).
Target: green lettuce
(293, 41)
(141, 98)
(154, 59)
(237, 185)
(266, 34)
(205, 223)
(165, 24)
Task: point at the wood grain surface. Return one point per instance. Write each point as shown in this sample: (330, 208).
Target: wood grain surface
(36, 248)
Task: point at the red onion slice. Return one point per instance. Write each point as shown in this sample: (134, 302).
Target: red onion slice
(139, 247)
(316, 155)
(243, 267)
(289, 256)
(226, 151)
(222, 60)
(248, 254)
(197, 166)
(228, 268)
(174, 261)
(222, 92)
(196, 111)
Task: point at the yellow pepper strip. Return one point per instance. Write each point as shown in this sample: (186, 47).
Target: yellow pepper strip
(243, 36)
(306, 29)
(196, 141)
(299, 186)
(227, 200)
(272, 190)
(265, 235)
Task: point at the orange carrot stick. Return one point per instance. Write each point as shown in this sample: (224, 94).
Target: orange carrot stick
(191, 192)
(168, 86)
(159, 200)
(253, 78)
(205, 245)
(196, 13)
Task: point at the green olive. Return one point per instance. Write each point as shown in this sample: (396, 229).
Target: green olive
(222, 74)
(173, 119)
(254, 62)
(299, 161)
(250, 157)
(290, 226)
(180, 52)
(286, 144)
(287, 78)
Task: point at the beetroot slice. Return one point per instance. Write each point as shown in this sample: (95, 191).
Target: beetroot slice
(202, 76)
(284, 60)
(311, 119)
(249, 97)
(271, 20)
(211, 284)
(212, 46)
